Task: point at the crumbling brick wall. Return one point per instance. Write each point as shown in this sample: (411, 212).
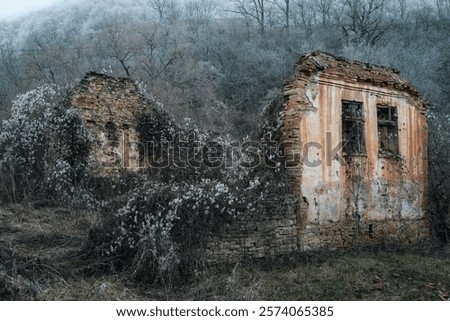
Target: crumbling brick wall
(371, 198)
(108, 107)
(368, 198)
(253, 237)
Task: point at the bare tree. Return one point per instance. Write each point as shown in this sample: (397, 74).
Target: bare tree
(252, 9)
(158, 52)
(118, 43)
(443, 8)
(160, 7)
(324, 7)
(400, 9)
(362, 21)
(285, 7)
(10, 68)
(199, 12)
(173, 11)
(303, 15)
(47, 56)
(166, 9)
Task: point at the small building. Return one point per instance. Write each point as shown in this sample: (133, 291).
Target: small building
(108, 108)
(355, 139)
(111, 109)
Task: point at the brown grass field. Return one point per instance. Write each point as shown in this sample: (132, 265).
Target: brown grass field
(41, 258)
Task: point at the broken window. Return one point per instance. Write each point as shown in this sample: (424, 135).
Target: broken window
(353, 127)
(387, 130)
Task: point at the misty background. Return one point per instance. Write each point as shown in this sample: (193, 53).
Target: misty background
(220, 63)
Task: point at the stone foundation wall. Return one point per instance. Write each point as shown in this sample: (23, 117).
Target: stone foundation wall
(252, 238)
(353, 233)
(248, 238)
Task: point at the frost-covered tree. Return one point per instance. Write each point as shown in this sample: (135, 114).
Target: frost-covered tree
(362, 21)
(196, 55)
(253, 10)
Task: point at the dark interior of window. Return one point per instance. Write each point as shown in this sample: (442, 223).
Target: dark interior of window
(387, 130)
(353, 127)
(111, 132)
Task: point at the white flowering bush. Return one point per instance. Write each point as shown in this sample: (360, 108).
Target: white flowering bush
(161, 232)
(162, 227)
(44, 148)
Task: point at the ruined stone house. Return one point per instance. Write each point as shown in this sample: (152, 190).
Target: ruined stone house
(109, 108)
(355, 142)
(375, 187)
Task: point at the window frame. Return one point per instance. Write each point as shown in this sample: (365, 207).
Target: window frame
(359, 121)
(390, 124)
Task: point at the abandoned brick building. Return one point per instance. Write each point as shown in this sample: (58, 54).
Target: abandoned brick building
(355, 141)
(375, 188)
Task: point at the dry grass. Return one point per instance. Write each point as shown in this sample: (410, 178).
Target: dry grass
(40, 260)
(335, 276)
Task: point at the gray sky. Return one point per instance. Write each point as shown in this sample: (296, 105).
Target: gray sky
(14, 8)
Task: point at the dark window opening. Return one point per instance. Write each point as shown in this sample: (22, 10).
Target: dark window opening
(353, 128)
(111, 132)
(387, 130)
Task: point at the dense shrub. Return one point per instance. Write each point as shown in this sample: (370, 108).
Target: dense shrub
(44, 147)
(160, 234)
(162, 227)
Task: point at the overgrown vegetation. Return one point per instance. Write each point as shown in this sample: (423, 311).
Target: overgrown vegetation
(159, 226)
(44, 148)
(40, 260)
(439, 175)
(162, 229)
(213, 67)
